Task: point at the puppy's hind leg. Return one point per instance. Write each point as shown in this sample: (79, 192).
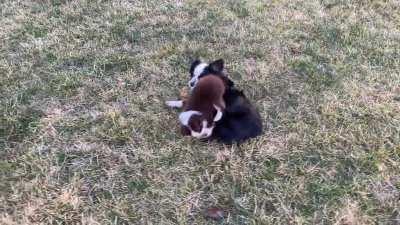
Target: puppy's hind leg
(174, 104)
(219, 114)
(220, 107)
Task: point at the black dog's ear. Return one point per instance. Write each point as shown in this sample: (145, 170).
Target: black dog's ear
(228, 82)
(217, 66)
(193, 66)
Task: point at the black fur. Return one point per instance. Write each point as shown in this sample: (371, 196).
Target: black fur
(240, 120)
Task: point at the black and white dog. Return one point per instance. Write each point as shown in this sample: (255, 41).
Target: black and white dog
(240, 120)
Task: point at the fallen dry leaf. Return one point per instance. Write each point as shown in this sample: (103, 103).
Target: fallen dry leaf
(215, 213)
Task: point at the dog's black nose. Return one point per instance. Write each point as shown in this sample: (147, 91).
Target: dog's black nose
(192, 84)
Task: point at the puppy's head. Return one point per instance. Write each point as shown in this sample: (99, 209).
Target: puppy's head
(199, 69)
(199, 125)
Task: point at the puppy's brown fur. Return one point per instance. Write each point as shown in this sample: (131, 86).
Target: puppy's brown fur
(207, 94)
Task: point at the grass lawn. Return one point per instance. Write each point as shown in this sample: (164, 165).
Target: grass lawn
(85, 137)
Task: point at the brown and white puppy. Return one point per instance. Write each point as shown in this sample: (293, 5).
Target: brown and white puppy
(204, 107)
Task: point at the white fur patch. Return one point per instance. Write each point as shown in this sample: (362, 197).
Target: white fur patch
(199, 69)
(204, 133)
(218, 116)
(196, 73)
(184, 117)
(174, 104)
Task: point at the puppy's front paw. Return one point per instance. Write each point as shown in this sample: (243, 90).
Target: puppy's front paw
(174, 104)
(219, 114)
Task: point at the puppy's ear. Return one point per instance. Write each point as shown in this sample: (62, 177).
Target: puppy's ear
(217, 66)
(195, 124)
(228, 82)
(185, 131)
(193, 66)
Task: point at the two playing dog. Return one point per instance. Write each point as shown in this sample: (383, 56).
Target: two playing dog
(215, 109)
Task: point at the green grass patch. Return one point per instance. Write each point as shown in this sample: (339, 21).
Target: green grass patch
(16, 127)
